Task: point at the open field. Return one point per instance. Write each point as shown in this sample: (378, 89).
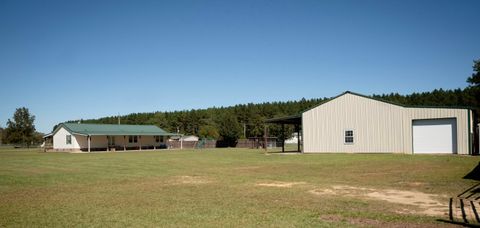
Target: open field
(227, 187)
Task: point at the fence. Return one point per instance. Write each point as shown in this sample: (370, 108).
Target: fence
(206, 143)
(257, 142)
(183, 144)
(201, 144)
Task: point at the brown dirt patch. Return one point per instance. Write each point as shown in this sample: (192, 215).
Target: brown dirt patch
(191, 180)
(415, 184)
(427, 203)
(367, 222)
(280, 184)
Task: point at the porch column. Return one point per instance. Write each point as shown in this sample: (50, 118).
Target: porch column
(124, 143)
(154, 142)
(88, 139)
(140, 141)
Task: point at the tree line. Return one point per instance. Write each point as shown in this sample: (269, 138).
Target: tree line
(246, 120)
(221, 123)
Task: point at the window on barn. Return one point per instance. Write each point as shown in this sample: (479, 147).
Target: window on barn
(349, 137)
(69, 139)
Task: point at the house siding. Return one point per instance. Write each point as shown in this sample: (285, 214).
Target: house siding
(101, 141)
(59, 140)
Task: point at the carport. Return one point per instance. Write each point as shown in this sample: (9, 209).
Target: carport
(296, 121)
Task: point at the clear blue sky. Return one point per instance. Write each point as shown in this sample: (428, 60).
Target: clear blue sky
(68, 60)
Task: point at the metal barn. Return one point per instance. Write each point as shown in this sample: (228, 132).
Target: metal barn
(354, 123)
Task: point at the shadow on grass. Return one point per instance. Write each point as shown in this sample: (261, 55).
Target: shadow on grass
(474, 174)
(463, 207)
(457, 223)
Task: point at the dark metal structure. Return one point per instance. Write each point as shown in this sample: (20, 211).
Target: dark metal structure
(295, 120)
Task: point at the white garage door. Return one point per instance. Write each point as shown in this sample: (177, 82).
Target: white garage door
(435, 136)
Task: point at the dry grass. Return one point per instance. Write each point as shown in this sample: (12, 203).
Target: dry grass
(226, 187)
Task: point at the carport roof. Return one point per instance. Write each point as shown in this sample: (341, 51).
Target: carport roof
(294, 119)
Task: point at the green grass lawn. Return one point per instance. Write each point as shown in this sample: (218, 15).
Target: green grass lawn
(221, 187)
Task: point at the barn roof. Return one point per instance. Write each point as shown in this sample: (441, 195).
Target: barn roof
(113, 129)
(297, 119)
(391, 102)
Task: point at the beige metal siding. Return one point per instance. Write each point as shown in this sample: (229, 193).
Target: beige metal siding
(379, 127)
(461, 115)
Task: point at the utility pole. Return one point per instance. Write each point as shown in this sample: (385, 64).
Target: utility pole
(244, 130)
(265, 138)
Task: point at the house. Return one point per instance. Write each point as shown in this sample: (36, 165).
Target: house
(354, 123)
(183, 141)
(293, 139)
(94, 137)
(185, 138)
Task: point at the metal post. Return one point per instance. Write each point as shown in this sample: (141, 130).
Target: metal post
(283, 138)
(154, 142)
(140, 141)
(89, 139)
(124, 143)
(301, 140)
(244, 130)
(298, 138)
(181, 143)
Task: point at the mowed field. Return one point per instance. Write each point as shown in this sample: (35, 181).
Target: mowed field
(227, 188)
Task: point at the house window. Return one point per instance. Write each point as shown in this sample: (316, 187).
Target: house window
(157, 139)
(69, 139)
(349, 137)
(132, 139)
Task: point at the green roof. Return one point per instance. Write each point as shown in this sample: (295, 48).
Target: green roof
(113, 129)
